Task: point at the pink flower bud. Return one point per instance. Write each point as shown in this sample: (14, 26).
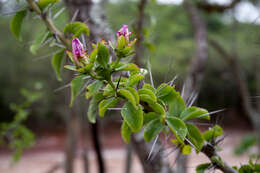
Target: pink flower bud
(124, 31)
(77, 50)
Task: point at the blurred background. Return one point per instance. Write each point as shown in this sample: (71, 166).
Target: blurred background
(226, 77)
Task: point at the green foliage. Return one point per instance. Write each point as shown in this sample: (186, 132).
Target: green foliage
(245, 144)
(93, 107)
(202, 167)
(45, 3)
(105, 104)
(133, 116)
(126, 132)
(177, 106)
(76, 28)
(212, 133)
(20, 137)
(93, 88)
(16, 23)
(178, 127)
(194, 112)
(166, 93)
(57, 62)
(76, 85)
(195, 136)
(152, 129)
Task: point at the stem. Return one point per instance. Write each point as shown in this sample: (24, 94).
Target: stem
(210, 152)
(49, 24)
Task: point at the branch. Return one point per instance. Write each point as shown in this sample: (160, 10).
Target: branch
(211, 153)
(214, 7)
(139, 31)
(48, 22)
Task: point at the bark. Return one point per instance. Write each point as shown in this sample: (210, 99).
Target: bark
(210, 151)
(139, 32)
(199, 61)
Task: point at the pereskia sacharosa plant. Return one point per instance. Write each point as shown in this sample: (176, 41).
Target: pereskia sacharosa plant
(113, 82)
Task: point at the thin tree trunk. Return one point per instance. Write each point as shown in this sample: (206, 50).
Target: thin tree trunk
(197, 66)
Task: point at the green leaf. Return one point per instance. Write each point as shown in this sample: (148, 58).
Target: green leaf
(127, 67)
(56, 63)
(177, 106)
(39, 41)
(121, 42)
(93, 107)
(102, 54)
(16, 23)
(129, 96)
(212, 133)
(77, 28)
(195, 137)
(148, 92)
(152, 129)
(150, 87)
(178, 127)
(76, 84)
(166, 93)
(126, 132)
(133, 116)
(194, 112)
(105, 104)
(44, 3)
(247, 142)
(157, 108)
(150, 116)
(134, 79)
(186, 149)
(146, 98)
(202, 167)
(93, 88)
(135, 94)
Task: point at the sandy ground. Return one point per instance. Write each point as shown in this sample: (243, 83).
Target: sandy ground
(48, 152)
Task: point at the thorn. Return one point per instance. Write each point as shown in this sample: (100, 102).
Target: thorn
(75, 15)
(149, 155)
(150, 73)
(58, 13)
(213, 112)
(62, 87)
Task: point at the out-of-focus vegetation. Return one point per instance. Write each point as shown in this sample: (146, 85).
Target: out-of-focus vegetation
(167, 28)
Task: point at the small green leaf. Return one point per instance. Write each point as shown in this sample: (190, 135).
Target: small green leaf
(134, 79)
(134, 93)
(16, 23)
(152, 129)
(93, 88)
(105, 104)
(212, 133)
(70, 67)
(186, 149)
(177, 106)
(146, 98)
(166, 93)
(93, 107)
(102, 54)
(195, 137)
(148, 92)
(150, 87)
(126, 132)
(56, 63)
(44, 3)
(39, 41)
(77, 28)
(127, 67)
(150, 116)
(202, 167)
(157, 108)
(129, 96)
(194, 112)
(133, 116)
(178, 127)
(76, 84)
